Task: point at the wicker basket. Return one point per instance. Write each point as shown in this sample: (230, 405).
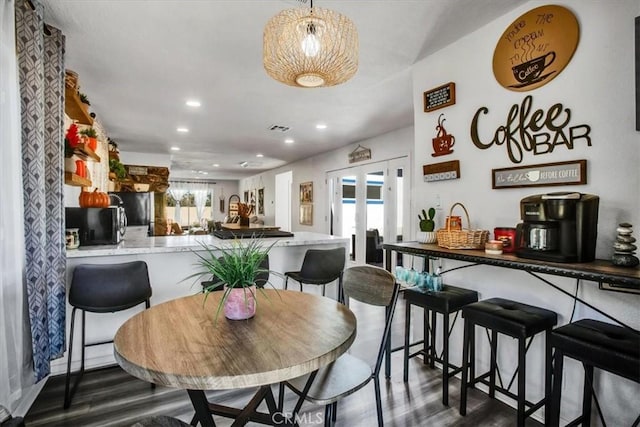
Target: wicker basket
(462, 239)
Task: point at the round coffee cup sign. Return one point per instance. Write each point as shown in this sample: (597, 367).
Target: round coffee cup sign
(535, 48)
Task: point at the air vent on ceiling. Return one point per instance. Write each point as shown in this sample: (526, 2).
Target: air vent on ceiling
(279, 128)
(244, 164)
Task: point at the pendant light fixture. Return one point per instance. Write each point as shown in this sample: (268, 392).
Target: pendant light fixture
(310, 47)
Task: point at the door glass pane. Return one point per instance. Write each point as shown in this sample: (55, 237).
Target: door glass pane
(349, 210)
(375, 217)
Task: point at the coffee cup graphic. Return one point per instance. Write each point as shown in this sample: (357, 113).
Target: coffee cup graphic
(442, 144)
(531, 70)
(533, 176)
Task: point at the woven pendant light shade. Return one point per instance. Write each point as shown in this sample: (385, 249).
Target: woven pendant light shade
(310, 47)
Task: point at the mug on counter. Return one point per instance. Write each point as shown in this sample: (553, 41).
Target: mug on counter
(72, 238)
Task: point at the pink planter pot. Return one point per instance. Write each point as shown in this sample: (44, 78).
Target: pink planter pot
(240, 303)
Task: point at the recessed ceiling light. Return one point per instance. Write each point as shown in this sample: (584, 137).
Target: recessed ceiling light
(216, 165)
(183, 130)
(193, 103)
(321, 126)
(259, 155)
(175, 148)
(289, 141)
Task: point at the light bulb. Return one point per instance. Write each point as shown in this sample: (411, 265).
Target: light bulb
(310, 43)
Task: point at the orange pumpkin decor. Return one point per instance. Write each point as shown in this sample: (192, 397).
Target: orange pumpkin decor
(94, 199)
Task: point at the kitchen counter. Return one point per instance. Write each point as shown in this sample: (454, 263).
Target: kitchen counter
(190, 243)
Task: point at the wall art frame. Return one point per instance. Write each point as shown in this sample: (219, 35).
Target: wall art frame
(541, 175)
(260, 201)
(306, 214)
(306, 192)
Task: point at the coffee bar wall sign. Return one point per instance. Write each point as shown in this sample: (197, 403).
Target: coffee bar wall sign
(534, 131)
(440, 97)
(542, 175)
(443, 142)
(535, 48)
(441, 171)
(359, 154)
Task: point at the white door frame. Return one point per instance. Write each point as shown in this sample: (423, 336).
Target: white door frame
(390, 199)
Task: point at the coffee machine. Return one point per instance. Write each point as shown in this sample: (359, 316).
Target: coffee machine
(558, 227)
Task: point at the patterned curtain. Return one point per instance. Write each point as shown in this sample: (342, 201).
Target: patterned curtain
(41, 74)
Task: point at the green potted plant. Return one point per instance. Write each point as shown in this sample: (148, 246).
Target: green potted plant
(235, 268)
(427, 225)
(92, 136)
(117, 168)
(83, 98)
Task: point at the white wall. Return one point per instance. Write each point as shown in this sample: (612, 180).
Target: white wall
(597, 86)
(388, 146)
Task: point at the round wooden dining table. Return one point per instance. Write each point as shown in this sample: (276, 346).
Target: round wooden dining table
(181, 343)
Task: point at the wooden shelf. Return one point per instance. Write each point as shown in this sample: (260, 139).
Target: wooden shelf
(76, 180)
(75, 108)
(85, 153)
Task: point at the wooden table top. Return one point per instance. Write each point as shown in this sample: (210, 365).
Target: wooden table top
(177, 344)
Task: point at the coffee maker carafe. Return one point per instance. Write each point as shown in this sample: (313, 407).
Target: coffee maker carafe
(558, 227)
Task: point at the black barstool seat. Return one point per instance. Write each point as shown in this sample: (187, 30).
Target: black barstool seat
(449, 300)
(517, 320)
(597, 345)
(605, 346)
(510, 317)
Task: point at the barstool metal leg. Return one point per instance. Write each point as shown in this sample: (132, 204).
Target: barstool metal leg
(466, 342)
(432, 343)
(493, 364)
(67, 394)
(407, 332)
(522, 370)
(587, 394)
(548, 368)
(445, 359)
(556, 390)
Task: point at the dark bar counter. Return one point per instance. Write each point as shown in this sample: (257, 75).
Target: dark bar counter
(600, 271)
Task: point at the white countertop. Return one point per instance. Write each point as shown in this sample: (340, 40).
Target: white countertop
(187, 243)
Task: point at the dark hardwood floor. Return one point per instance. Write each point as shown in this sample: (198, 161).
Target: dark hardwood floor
(111, 397)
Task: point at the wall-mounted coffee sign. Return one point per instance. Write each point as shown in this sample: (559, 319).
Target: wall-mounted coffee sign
(443, 142)
(535, 48)
(529, 130)
(359, 154)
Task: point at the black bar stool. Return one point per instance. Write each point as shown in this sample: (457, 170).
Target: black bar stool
(595, 344)
(103, 288)
(449, 300)
(514, 319)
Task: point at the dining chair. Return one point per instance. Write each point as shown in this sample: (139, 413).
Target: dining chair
(320, 267)
(369, 285)
(103, 288)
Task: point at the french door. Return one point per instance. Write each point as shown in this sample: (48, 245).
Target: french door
(369, 205)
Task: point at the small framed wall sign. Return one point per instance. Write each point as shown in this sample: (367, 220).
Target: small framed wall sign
(440, 97)
(542, 175)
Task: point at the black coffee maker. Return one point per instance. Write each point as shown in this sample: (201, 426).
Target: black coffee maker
(558, 227)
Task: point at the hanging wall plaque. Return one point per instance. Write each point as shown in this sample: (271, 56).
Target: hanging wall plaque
(535, 48)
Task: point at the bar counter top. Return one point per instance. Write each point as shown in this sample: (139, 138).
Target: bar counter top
(597, 271)
(189, 243)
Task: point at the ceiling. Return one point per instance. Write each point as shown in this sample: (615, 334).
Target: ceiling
(140, 61)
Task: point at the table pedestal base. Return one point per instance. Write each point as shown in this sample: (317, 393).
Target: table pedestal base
(205, 409)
